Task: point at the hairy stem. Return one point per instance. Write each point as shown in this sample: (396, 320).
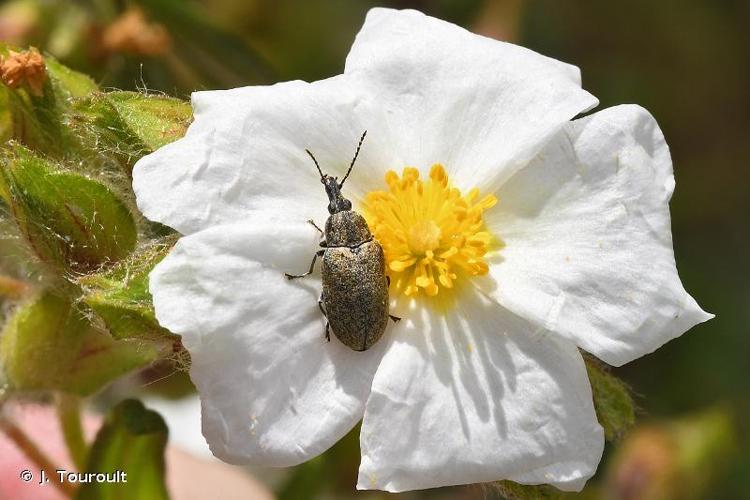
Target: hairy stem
(69, 413)
(30, 449)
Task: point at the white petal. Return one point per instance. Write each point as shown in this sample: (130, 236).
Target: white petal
(478, 397)
(480, 107)
(274, 392)
(588, 247)
(243, 159)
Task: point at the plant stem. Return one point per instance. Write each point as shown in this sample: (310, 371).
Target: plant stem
(69, 413)
(30, 449)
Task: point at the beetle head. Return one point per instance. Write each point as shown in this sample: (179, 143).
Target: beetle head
(336, 201)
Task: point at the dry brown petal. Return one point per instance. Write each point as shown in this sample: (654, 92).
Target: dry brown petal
(24, 68)
(131, 33)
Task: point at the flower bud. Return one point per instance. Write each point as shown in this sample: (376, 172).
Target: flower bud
(49, 344)
(24, 68)
(36, 100)
(128, 427)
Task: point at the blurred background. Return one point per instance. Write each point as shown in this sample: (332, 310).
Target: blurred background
(687, 61)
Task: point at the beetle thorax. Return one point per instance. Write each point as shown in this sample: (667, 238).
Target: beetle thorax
(346, 229)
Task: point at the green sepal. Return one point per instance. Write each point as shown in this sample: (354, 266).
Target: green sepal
(120, 295)
(69, 220)
(132, 440)
(49, 344)
(128, 125)
(614, 405)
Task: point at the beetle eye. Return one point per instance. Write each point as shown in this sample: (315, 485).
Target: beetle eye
(347, 205)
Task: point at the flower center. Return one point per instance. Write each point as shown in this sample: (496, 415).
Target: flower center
(431, 234)
(424, 236)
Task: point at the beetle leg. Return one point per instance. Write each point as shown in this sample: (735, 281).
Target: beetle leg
(395, 319)
(313, 224)
(317, 254)
(321, 306)
(322, 234)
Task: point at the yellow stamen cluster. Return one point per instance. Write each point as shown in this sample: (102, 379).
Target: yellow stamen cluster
(430, 233)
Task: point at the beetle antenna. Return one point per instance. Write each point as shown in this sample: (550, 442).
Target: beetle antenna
(361, 140)
(316, 162)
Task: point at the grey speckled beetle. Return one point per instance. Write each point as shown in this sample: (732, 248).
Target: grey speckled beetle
(354, 299)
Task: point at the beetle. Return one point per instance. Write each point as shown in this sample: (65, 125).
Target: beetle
(354, 300)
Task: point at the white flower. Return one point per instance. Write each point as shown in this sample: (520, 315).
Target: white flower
(482, 379)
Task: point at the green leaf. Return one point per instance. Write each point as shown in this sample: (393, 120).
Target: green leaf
(69, 220)
(49, 344)
(120, 295)
(304, 481)
(132, 440)
(127, 125)
(65, 80)
(155, 120)
(614, 405)
(103, 132)
(514, 491)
